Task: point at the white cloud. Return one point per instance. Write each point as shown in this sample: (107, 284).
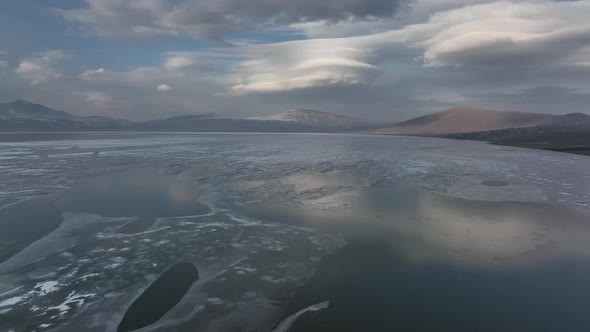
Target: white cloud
(180, 60)
(307, 64)
(506, 34)
(96, 98)
(164, 87)
(41, 67)
(92, 74)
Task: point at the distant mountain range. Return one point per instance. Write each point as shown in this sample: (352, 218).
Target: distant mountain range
(570, 132)
(300, 120)
(25, 116)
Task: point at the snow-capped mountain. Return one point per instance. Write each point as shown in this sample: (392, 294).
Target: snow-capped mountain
(314, 118)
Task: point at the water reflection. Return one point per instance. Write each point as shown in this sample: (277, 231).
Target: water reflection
(140, 192)
(303, 182)
(418, 261)
(435, 227)
(371, 288)
(414, 260)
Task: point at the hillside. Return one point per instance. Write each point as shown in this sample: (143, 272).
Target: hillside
(572, 138)
(26, 116)
(462, 120)
(567, 133)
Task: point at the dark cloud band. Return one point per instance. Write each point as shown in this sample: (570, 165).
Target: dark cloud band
(214, 19)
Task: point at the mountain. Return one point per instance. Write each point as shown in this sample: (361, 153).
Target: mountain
(300, 120)
(315, 118)
(573, 119)
(25, 116)
(467, 119)
(21, 109)
(568, 133)
(573, 138)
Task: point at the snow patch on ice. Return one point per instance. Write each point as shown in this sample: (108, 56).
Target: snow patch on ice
(215, 301)
(44, 288)
(273, 245)
(72, 301)
(273, 279)
(12, 301)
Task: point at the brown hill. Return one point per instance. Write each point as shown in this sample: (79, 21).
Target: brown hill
(467, 119)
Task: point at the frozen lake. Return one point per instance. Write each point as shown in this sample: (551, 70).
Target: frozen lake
(338, 232)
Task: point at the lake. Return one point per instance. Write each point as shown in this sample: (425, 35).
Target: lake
(290, 232)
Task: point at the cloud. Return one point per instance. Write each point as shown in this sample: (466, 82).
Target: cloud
(96, 98)
(313, 63)
(507, 34)
(214, 19)
(541, 99)
(3, 63)
(180, 67)
(124, 92)
(416, 11)
(41, 67)
(529, 37)
(94, 73)
(375, 59)
(164, 87)
(175, 66)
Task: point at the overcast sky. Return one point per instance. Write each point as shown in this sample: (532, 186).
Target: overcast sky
(378, 59)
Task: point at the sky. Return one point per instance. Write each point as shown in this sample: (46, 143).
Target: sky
(376, 59)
